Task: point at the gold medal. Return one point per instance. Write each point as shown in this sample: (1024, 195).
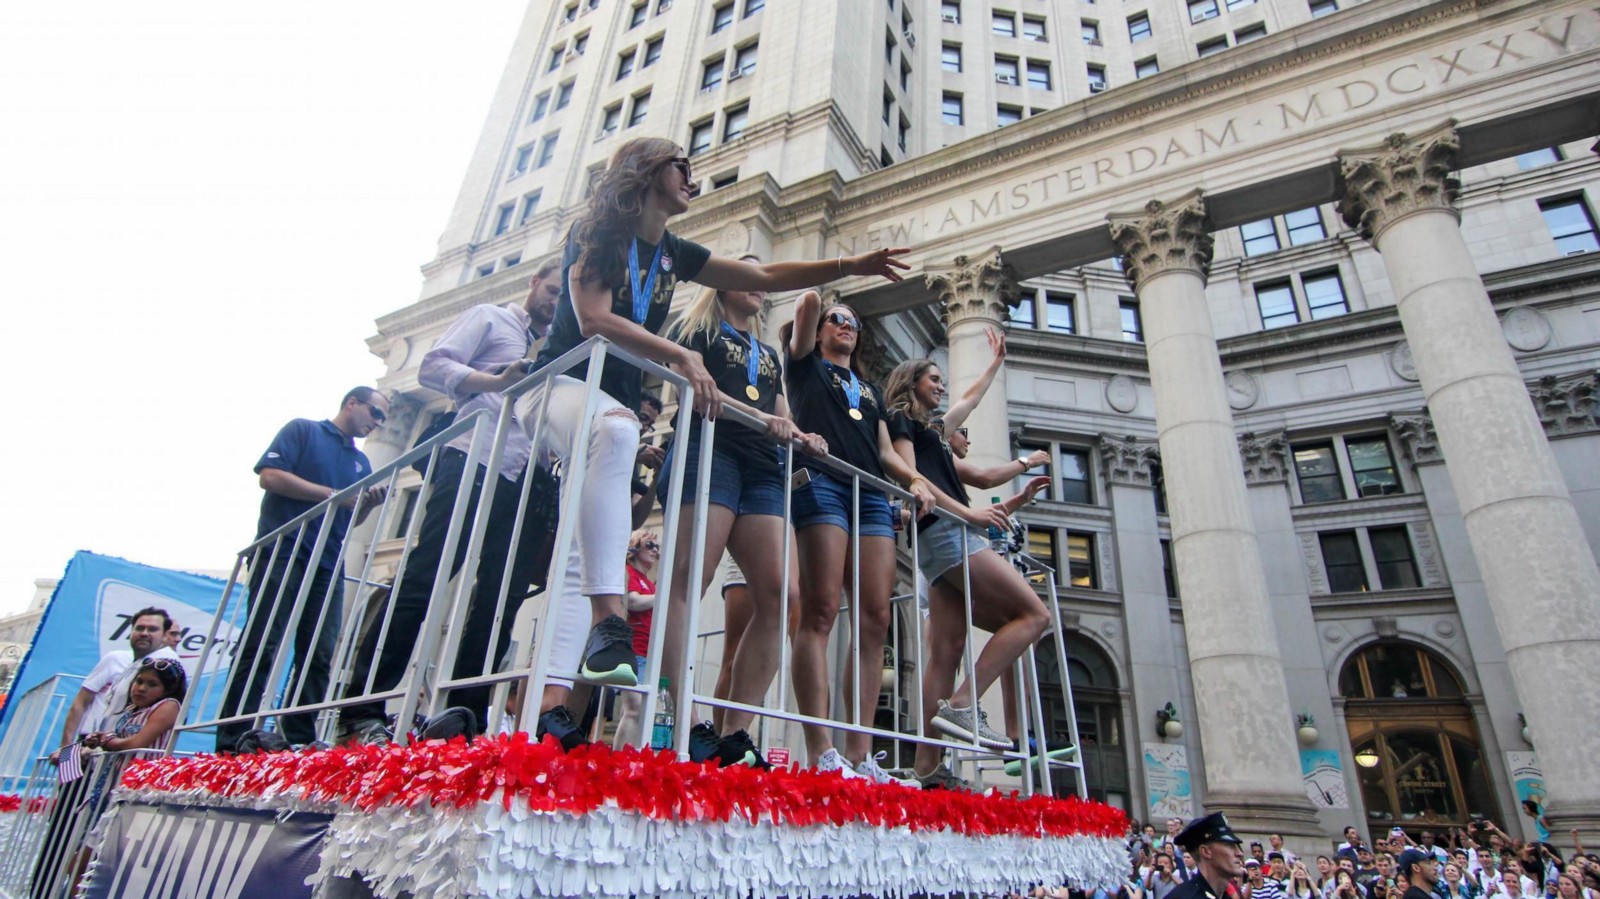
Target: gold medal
(855, 414)
(752, 392)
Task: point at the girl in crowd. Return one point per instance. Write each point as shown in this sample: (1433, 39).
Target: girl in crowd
(745, 516)
(154, 699)
(831, 397)
(1300, 885)
(1002, 602)
(619, 268)
(644, 550)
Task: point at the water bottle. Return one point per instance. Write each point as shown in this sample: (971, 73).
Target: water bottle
(997, 537)
(661, 733)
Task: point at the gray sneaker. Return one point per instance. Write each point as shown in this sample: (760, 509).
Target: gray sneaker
(365, 732)
(963, 724)
(942, 778)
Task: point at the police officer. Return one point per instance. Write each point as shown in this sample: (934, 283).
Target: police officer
(1420, 869)
(1215, 847)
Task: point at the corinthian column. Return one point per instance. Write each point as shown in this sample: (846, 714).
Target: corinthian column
(1538, 569)
(973, 296)
(1252, 765)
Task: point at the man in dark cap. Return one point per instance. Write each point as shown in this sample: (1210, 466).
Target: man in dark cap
(1215, 848)
(1418, 868)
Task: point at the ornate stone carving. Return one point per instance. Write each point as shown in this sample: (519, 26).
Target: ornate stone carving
(1402, 362)
(1122, 394)
(1128, 460)
(1163, 237)
(979, 287)
(1108, 566)
(1311, 558)
(874, 357)
(1265, 457)
(1243, 389)
(1567, 405)
(1428, 563)
(1404, 174)
(1418, 442)
(401, 424)
(1526, 329)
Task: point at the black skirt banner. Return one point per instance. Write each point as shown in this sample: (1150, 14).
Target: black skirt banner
(155, 851)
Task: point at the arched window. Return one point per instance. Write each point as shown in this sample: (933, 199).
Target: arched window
(1101, 746)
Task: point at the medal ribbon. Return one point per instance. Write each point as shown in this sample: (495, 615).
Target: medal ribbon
(752, 365)
(852, 390)
(643, 292)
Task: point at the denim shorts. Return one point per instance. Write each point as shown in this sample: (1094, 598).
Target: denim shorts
(738, 484)
(939, 547)
(826, 500)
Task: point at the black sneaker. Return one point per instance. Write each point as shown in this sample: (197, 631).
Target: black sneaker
(456, 721)
(738, 749)
(558, 723)
(608, 657)
(260, 741)
(703, 742)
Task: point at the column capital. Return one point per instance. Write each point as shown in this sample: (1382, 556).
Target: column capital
(1128, 460)
(401, 424)
(977, 287)
(1265, 457)
(1163, 237)
(1567, 404)
(1406, 173)
(1418, 442)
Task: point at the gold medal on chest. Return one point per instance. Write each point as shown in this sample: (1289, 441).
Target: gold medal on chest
(752, 392)
(855, 414)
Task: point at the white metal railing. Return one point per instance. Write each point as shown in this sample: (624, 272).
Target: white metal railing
(36, 723)
(432, 658)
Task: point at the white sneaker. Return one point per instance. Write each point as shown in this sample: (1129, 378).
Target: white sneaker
(871, 770)
(831, 762)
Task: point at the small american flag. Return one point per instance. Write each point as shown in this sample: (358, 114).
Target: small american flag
(71, 766)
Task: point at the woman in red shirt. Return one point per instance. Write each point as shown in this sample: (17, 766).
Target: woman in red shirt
(644, 550)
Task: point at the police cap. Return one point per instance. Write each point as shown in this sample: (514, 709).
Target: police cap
(1210, 829)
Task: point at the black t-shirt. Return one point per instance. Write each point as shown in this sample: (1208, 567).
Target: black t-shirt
(726, 358)
(934, 459)
(816, 396)
(681, 260)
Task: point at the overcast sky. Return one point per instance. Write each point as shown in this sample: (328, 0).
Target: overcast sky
(203, 207)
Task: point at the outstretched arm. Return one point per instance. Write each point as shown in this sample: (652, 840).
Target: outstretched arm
(961, 408)
(995, 475)
(740, 274)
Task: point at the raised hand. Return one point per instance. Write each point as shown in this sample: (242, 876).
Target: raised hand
(878, 262)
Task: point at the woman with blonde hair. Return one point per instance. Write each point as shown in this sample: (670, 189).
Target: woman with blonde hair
(644, 550)
(619, 267)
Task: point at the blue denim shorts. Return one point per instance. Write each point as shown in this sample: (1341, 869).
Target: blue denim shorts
(939, 548)
(826, 500)
(737, 484)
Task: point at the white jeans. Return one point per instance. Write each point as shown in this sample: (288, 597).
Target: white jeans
(602, 503)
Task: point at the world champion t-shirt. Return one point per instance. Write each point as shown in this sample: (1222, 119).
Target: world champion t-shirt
(934, 459)
(727, 359)
(681, 260)
(817, 398)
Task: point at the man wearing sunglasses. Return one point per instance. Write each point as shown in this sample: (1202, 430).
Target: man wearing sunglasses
(308, 462)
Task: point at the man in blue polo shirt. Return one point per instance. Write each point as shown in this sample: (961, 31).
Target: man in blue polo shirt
(307, 463)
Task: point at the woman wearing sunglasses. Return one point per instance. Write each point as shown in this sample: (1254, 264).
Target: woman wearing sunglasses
(831, 398)
(745, 514)
(1002, 602)
(619, 268)
(644, 551)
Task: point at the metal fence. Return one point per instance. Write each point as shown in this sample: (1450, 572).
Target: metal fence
(36, 722)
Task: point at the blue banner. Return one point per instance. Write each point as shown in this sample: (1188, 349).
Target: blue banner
(167, 851)
(90, 614)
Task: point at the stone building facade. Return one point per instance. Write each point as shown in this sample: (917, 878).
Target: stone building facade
(1308, 326)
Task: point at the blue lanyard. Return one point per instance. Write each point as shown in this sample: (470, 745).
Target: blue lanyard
(852, 392)
(643, 292)
(752, 365)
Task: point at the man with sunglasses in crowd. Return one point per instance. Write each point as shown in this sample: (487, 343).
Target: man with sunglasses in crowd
(308, 463)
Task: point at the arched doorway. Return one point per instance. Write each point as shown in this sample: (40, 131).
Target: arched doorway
(1101, 744)
(1418, 758)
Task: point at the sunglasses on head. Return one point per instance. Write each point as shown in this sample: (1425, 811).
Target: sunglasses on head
(378, 415)
(162, 664)
(843, 320)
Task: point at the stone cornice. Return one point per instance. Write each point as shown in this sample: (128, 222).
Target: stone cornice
(1072, 350)
(1404, 174)
(1163, 237)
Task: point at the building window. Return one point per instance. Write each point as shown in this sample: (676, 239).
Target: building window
(570, 14)
(1132, 326)
(1538, 158)
(1007, 115)
(1138, 27)
(1005, 69)
(1324, 298)
(1033, 29)
(1003, 24)
(951, 109)
(580, 44)
(1158, 483)
(641, 108)
(1169, 571)
(523, 159)
(712, 76)
(1391, 553)
(502, 220)
(1042, 547)
(563, 96)
(1305, 226)
(1246, 35)
(1320, 8)
(905, 133)
(751, 7)
(1275, 300)
(1080, 561)
(1097, 79)
(700, 137)
(721, 17)
(1144, 68)
(722, 181)
(950, 11)
(1341, 559)
(1316, 469)
(1212, 48)
(744, 60)
(625, 63)
(735, 123)
(485, 271)
(1372, 466)
(1570, 224)
(547, 150)
(888, 104)
(530, 205)
(541, 105)
(556, 53)
(652, 52)
(950, 57)
(1075, 484)
(610, 119)
(636, 16)
(1324, 295)
(1058, 312)
(511, 261)
(1259, 237)
(905, 76)
(1200, 10)
(1091, 32)
(1038, 75)
(1023, 315)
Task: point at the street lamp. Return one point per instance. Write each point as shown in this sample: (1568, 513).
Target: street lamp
(1367, 758)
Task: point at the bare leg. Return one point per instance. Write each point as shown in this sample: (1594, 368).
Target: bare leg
(1007, 608)
(757, 545)
(628, 730)
(944, 646)
(822, 552)
(736, 618)
(719, 520)
(877, 586)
